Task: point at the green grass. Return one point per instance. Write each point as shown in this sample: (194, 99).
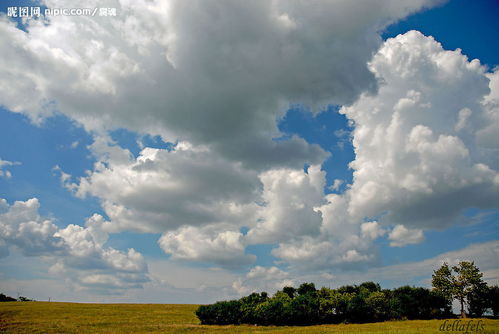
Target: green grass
(44, 317)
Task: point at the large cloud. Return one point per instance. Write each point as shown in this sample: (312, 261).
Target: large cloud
(161, 190)
(215, 77)
(407, 154)
(424, 154)
(422, 146)
(216, 73)
(78, 252)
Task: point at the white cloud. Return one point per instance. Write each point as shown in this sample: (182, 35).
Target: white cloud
(483, 254)
(174, 283)
(213, 244)
(419, 161)
(391, 276)
(343, 242)
(424, 143)
(315, 254)
(5, 172)
(169, 282)
(336, 185)
(314, 231)
(77, 252)
(161, 190)
(288, 209)
(487, 135)
(152, 68)
(269, 279)
(402, 236)
(21, 226)
(413, 169)
(371, 230)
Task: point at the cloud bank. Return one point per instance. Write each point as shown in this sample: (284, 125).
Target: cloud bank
(75, 251)
(214, 79)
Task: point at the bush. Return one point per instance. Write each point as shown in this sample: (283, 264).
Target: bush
(4, 298)
(305, 309)
(275, 311)
(248, 307)
(220, 313)
(305, 305)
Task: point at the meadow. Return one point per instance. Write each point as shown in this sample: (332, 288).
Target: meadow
(53, 317)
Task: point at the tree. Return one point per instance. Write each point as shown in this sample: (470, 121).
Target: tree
(467, 282)
(370, 286)
(410, 302)
(305, 288)
(290, 291)
(464, 283)
(478, 301)
(442, 282)
(493, 299)
(377, 303)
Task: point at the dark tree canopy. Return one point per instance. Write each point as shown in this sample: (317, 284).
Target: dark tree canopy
(306, 305)
(4, 298)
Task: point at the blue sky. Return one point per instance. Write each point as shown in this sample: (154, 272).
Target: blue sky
(218, 156)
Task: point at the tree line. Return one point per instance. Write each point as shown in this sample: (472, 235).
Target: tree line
(362, 303)
(4, 298)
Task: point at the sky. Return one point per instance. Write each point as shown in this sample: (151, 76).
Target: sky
(193, 151)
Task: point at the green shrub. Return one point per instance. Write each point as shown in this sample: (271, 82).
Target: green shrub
(305, 305)
(220, 313)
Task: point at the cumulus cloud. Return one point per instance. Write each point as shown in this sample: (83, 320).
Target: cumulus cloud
(21, 226)
(342, 242)
(420, 158)
(401, 236)
(213, 244)
(371, 230)
(424, 125)
(487, 135)
(75, 251)
(289, 200)
(161, 190)
(313, 230)
(152, 68)
(200, 202)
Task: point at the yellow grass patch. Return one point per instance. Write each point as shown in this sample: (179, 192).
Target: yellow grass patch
(44, 317)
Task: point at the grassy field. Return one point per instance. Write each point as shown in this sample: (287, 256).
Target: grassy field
(44, 317)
